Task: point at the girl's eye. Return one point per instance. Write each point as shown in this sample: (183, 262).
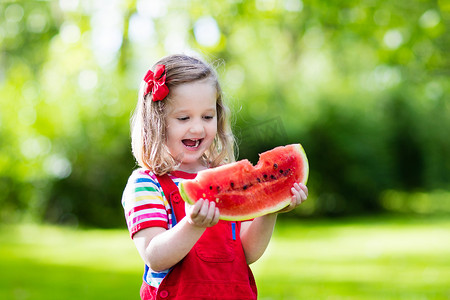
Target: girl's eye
(183, 118)
(208, 117)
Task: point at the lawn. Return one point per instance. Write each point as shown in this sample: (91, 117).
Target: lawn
(364, 258)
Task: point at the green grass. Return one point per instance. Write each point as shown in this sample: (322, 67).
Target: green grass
(42, 262)
(375, 258)
(387, 258)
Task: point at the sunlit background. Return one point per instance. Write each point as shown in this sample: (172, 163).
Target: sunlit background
(362, 85)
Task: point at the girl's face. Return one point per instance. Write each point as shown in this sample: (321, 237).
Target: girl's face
(191, 123)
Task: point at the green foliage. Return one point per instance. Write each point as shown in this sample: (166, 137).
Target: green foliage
(363, 86)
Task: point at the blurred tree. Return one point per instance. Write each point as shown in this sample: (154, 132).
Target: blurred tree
(363, 85)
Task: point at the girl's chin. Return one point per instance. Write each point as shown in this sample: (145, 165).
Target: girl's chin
(190, 158)
(191, 167)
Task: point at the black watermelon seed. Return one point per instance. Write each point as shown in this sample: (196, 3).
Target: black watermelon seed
(275, 166)
(257, 179)
(265, 176)
(210, 187)
(281, 171)
(232, 184)
(271, 176)
(245, 187)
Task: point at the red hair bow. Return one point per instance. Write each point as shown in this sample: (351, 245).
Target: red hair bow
(156, 83)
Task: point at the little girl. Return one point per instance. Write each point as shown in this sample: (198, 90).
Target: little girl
(180, 127)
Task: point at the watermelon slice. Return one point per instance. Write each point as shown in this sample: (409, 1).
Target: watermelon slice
(243, 191)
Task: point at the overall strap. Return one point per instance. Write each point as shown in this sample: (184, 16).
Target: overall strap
(172, 194)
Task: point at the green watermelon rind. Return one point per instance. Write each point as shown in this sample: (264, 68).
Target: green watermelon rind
(302, 153)
(280, 205)
(184, 195)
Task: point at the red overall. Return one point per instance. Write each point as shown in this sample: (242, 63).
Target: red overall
(215, 268)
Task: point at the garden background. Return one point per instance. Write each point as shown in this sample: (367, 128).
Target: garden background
(362, 85)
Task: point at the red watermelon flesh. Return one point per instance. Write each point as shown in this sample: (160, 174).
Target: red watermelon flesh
(243, 191)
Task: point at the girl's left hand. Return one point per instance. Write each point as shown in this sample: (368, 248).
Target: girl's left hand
(299, 195)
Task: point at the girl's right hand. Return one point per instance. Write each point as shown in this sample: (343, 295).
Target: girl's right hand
(203, 213)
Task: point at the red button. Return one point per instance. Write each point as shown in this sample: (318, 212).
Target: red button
(175, 197)
(164, 294)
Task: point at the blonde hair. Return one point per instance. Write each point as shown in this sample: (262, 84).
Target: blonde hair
(148, 123)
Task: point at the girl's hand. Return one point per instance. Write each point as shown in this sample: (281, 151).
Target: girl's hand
(299, 195)
(203, 213)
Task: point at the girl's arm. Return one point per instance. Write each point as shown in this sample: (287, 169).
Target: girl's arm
(256, 234)
(161, 249)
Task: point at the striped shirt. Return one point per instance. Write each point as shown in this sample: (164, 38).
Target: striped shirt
(145, 205)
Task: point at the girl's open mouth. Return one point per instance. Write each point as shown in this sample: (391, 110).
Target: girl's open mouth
(192, 143)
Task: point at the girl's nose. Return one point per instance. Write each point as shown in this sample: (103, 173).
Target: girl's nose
(197, 127)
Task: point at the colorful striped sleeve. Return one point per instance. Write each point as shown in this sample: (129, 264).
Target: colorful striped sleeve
(144, 202)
